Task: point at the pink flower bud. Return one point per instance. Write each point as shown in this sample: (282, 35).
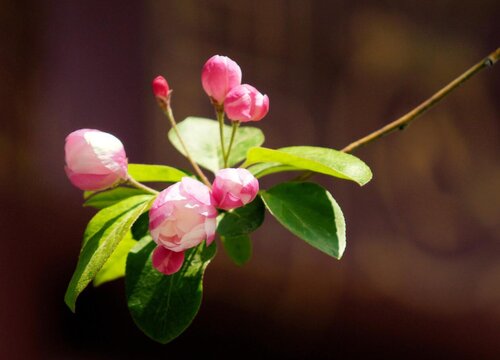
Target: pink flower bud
(166, 261)
(95, 160)
(219, 75)
(183, 215)
(245, 103)
(233, 188)
(160, 88)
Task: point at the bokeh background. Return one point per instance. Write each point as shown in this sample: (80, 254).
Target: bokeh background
(421, 273)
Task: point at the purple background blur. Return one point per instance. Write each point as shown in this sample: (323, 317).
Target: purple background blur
(421, 273)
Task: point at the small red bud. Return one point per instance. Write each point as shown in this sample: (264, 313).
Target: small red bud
(160, 88)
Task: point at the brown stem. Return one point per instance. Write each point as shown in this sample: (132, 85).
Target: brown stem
(404, 120)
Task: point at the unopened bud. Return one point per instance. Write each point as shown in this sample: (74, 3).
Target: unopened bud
(219, 75)
(161, 90)
(245, 103)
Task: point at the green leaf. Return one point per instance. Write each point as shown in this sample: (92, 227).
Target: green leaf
(234, 227)
(310, 212)
(114, 268)
(103, 199)
(141, 226)
(155, 173)
(163, 306)
(317, 159)
(262, 169)
(243, 220)
(238, 248)
(102, 235)
(203, 141)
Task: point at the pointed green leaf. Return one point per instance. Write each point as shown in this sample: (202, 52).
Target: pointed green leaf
(310, 212)
(235, 226)
(203, 141)
(155, 173)
(163, 306)
(100, 200)
(103, 234)
(321, 160)
(114, 268)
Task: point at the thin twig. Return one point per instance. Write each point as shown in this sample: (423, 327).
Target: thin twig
(132, 182)
(404, 120)
(168, 112)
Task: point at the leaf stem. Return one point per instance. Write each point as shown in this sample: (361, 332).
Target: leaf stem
(167, 110)
(220, 117)
(404, 120)
(132, 182)
(236, 124)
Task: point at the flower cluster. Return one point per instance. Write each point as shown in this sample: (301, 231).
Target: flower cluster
(184, 214)
(221, 80)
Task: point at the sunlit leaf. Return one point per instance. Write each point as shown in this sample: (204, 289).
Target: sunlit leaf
(155, 173)
(321, 160)
(103, 234)
(203, 141)
(114, 267)
(103, 199)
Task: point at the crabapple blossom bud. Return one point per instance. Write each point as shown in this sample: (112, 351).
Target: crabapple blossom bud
(219, 75)
(160, 88)
(233, 188)
(95, 160)
(245, 103)
(167, 261)
(183, 215)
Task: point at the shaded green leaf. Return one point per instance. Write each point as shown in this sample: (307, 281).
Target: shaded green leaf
(141, 226)
(238, 248)
(114, 267)
(310, 212)
(242, 220)
(103, 199)
(203, 141)
(235, 226)
(163, 306)
(317, 159)
(155, 173)
(102, 235)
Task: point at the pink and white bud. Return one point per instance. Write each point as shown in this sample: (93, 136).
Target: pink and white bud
(95, 160)
(219, 75)
(160, 88)
(245, 103)
(183, 215)
(233, 188)
(166, 261)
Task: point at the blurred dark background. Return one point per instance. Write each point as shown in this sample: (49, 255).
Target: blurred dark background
(421, 273)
